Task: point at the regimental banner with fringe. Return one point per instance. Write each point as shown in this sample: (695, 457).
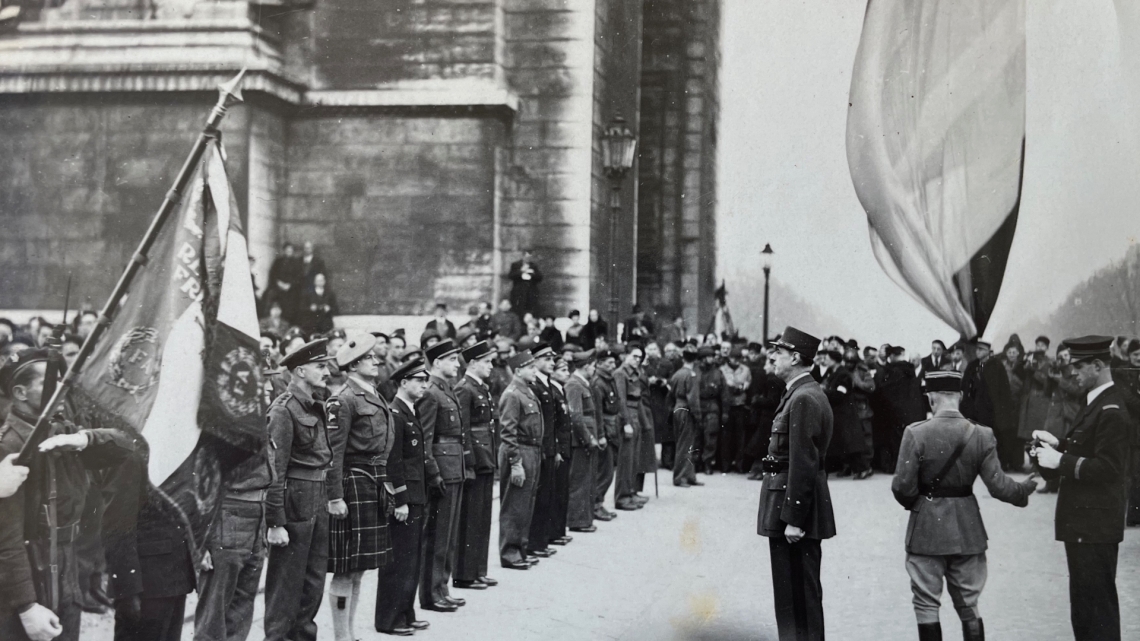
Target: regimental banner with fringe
(180, 363)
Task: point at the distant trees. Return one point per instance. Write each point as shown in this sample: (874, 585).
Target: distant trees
(1107, 303)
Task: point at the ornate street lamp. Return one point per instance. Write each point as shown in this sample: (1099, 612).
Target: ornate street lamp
(766, 261)
(619, 146)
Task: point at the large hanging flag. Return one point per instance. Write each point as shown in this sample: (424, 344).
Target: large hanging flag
(935, 143)
(180, 363)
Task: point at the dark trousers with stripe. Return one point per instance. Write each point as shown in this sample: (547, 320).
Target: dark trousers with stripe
(397, 582)
(1093, 603)
(560, 516)
(474, 528)
(441, 532)
(540, 523)
(797, 591)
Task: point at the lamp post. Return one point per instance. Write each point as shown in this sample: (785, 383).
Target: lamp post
(766, 261)
(618, 148)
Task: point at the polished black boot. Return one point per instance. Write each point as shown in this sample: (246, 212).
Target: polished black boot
(930, 631)
(973, 630)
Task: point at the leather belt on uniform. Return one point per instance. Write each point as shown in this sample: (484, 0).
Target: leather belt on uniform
(773, 466)
(481, 430)
(526, 440)
(307, 474)
(253, 496)
(945, 492)
(67, 533)
(449, 439)
(359, 459)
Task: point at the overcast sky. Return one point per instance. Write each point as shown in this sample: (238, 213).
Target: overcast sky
(783, 174)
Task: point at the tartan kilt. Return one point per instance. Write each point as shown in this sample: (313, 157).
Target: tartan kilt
(360, 541)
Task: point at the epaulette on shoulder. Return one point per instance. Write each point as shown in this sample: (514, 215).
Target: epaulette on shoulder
(1112, 406)
(284, 398)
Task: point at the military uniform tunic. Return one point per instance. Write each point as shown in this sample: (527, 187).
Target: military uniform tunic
(584, 425)
(522, 429)
(25, 568)
(298, 501)
(611, 406)
(479, 413)
(684, 394)
(540, 537)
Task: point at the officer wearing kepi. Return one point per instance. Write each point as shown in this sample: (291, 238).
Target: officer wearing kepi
(35, 602)
(1092, 464)
(795, 503)
(939, 459)
(479, 412)
(298, 504)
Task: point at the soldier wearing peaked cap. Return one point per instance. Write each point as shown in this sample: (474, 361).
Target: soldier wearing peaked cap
(397, 582)
(358, 481)
(480, 416)
(939, 460)
(298, 504)
(36, 603)
(520, 452)
(795, 503)
(1092, 464)
(438, 411)
(544, 500)
(586, 441)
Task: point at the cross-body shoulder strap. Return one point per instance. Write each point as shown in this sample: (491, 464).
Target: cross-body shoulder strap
(937, 481)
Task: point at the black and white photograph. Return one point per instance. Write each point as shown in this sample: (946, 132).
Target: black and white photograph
(560, 320)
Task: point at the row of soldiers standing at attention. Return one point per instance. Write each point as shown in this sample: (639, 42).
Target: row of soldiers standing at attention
(404, 486)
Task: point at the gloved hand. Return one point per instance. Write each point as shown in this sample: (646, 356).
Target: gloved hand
(40, 623)
(518, 474)
(437, 486)
(338, 508)
(628, 431)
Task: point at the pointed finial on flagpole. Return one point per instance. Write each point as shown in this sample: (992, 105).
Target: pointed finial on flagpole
(229, 94)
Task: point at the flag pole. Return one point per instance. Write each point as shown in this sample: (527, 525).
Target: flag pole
(229, 94)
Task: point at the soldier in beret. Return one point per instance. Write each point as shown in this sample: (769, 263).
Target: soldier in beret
(521, 453)
(438, 411)
(479, 413)
(939, 460)
(298, 504)
(361, 443)
(795, 504)
(36, 603)
(585, 423)
(398, 581)
(1091, 462)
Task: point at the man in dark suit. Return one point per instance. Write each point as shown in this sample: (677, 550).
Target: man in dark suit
(1092, 463)
(397, 581)
(987, 399)
(795, 503)
(936, 360)
(939, 460)
(442, 326)
(525, 277)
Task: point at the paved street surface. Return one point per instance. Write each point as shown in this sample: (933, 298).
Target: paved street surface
(690, 567)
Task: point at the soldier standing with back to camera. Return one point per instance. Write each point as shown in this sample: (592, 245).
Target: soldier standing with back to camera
(438, 411)
(478, 410)
(29, 587)
(298, 504)
(795, 503)
(939, 460)
(397, 583)
(1092, 464)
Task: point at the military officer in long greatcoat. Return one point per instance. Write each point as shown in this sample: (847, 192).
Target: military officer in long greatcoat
(939, 459)
(1092, 464)
(795, 504)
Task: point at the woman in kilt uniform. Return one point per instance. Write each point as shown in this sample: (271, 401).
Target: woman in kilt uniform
(361, 434)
